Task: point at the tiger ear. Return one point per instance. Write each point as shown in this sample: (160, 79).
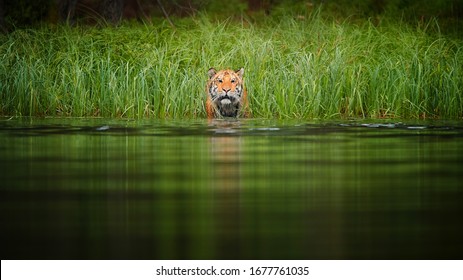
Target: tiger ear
(240, 72)
(211, 72)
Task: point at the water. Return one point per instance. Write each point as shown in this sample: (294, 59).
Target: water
(238, 189)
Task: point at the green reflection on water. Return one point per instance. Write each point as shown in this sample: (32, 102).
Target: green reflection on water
(254, 189)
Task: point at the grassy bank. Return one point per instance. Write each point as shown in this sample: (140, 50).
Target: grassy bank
(305, 66)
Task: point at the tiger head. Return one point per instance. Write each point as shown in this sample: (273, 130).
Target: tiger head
(226, 93)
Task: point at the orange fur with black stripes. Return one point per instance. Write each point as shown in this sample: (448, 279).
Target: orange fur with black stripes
(226, 94)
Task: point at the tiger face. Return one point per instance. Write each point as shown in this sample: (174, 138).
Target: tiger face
(225, 93)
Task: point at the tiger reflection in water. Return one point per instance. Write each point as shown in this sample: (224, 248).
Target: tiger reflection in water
(225, 148)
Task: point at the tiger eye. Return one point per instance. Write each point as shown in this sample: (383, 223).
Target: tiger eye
(220, 80)
(233, 80)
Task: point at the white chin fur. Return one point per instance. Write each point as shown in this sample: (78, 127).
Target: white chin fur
(225, 101)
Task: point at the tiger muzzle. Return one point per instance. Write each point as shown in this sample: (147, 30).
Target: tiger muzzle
(228, 106)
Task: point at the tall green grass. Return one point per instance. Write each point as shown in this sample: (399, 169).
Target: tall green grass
(306, 66)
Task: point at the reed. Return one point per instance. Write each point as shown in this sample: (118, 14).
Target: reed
(296, 66)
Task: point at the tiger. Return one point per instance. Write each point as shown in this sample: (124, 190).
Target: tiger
(226, 94)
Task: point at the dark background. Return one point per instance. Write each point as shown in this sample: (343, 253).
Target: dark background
(27, 13)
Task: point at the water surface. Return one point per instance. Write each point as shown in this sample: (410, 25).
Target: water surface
(230, 189)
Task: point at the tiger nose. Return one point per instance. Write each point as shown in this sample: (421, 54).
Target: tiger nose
(226, 90)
